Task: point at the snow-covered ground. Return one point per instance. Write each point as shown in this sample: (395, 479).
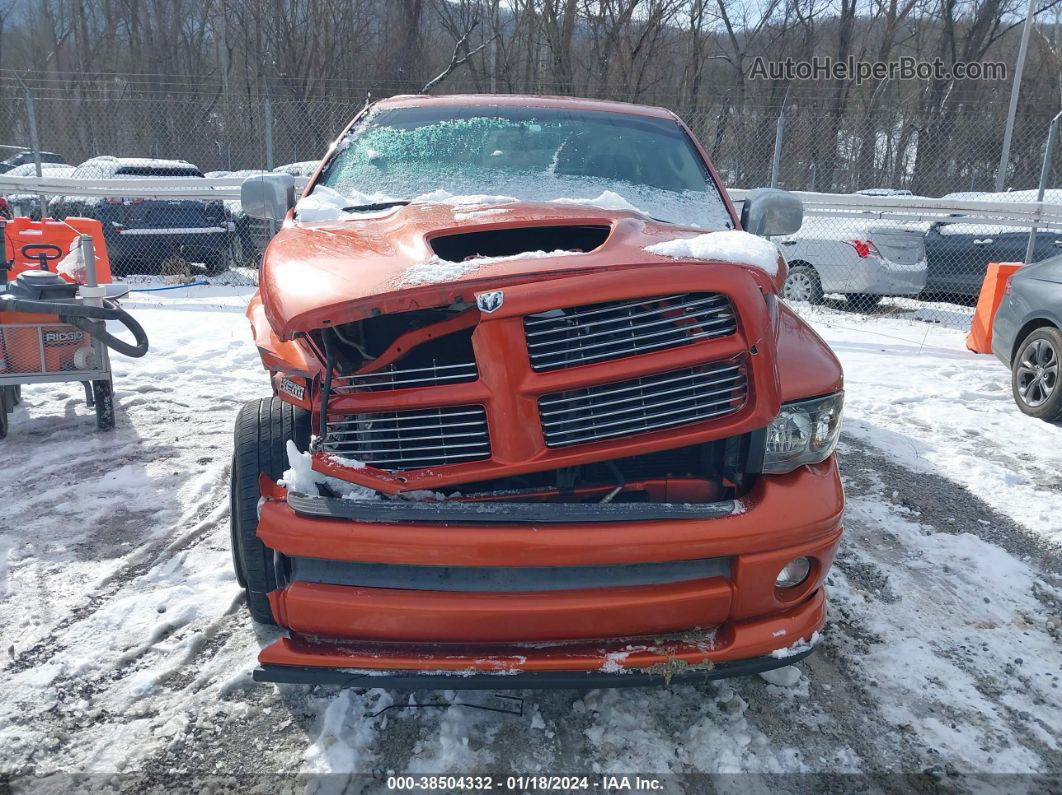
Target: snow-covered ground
(128, 650)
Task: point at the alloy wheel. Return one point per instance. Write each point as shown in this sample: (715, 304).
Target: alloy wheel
(1037, 373)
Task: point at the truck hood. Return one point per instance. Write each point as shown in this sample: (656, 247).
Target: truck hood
(334, 272)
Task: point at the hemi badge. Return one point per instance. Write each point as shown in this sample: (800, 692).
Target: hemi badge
(293, 389)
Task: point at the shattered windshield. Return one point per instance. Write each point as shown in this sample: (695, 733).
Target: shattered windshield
(528, 154)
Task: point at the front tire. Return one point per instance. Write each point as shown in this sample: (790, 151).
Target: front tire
(228, 257)
(1034, 375)
(802, 284)
(263, 429)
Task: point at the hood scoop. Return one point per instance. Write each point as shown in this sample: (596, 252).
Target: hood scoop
(514, 241)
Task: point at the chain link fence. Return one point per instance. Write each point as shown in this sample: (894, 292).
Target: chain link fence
(881, 263)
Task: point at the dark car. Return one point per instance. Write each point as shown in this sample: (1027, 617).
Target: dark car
(250, 235)
(1027, 337)
(27, 156)
(147, 232)
(958, 253)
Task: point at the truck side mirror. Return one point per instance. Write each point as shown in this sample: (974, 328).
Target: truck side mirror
(268, 196)
(769, 211)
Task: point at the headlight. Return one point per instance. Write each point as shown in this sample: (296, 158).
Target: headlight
(804, 432)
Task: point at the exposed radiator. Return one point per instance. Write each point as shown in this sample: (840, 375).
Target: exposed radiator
(599, 332)
(648, 403)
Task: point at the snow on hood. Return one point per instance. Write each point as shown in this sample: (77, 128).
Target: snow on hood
(326, 204)
(740, 248)
(607, 200)
(462, 200)
(437, 270)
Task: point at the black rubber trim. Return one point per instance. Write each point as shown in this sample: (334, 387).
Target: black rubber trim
(552, 680)
(504, 579)
(502, 513)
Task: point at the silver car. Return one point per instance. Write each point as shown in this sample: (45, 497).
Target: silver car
(1027, 337)
(29, 204)
(863, 261)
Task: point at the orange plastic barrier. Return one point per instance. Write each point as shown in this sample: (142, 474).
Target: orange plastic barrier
(979, 340)
(20, 232)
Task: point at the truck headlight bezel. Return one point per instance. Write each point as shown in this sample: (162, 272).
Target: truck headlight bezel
(804, 432)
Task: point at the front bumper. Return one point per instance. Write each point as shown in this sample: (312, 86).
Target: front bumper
(664, 671)
(383, 632)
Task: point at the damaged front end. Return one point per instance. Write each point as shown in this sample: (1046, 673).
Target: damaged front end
(556, 479)
(620, 397)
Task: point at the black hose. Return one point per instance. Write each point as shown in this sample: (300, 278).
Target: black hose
(109, 312)
(82, 316)
(96, 329)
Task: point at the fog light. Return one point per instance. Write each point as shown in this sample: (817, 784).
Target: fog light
(794, 573)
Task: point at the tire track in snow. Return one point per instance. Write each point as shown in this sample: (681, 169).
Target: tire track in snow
(137, 564)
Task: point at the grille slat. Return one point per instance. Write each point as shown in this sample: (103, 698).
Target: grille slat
(673, 422)
(600, 332)
(403, 378)
(472, 434)
(358, 427)
(654, 403)
(402, 440)
(641, 401)
(632, 338)
(714, 304)
(603, 391)
(667, 322)
(656, 410)
(597, 309)
(417, 449)
(413, 416)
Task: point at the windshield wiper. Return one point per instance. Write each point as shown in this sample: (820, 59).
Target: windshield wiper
(365, 208)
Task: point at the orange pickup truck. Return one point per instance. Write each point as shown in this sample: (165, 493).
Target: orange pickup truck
(539, 418)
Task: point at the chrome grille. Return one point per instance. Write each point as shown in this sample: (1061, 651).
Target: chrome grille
(599, 332)
(648, 403)
(398, 440)
(392, 377)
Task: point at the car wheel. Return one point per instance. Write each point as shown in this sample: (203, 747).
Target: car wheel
(219, 262)
(862, 301)
(263, 429)
(802, 284)
(1034, 375)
